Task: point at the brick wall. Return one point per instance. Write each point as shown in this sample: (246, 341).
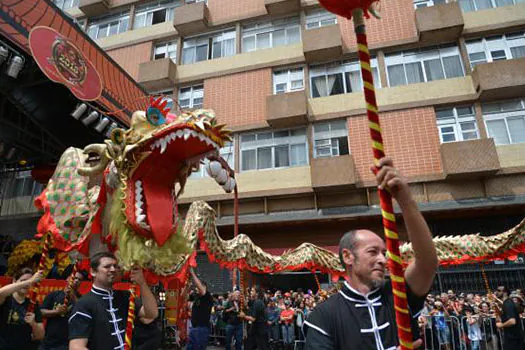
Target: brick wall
(130, 57)
(397, 23)
(239, 99)
(222, 11)
(410, 136)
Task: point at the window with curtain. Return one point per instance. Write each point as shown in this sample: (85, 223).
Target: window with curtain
(164, 50)
(264, 35)
(457, 124)
(102, 27)
(417, 66)
(477, 5)
(330, 138)
(287, 80)
(66, 4)
(505, 121)
(274, 149)
(494, 48)
(22, 185)
(207, 47)
(227, 153)
(319, 18)
(191, 97)
(340, 78)
(155, 12)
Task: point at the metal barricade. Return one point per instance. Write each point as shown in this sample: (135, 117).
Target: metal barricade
(455, 336)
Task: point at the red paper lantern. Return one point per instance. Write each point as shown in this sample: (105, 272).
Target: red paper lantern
(344, 8)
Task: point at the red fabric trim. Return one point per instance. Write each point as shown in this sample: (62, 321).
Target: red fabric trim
(243, 265)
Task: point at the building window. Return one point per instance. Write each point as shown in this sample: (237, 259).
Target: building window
(195, 1)
(319, 18)
(274, 149)
(340, 78)
(191, 97)
(167, 49)
(505, 121)
(22, 185)
(66, 4)
(330, 139)
(457, 124)
(154, 13)
(227, 152)
(108, 26)
(477, 5)
(208, 47)
(427, 3)
(288, 80)
(409, 67)
(270, 34)
(499, 47)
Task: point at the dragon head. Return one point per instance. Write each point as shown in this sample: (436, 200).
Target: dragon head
(147, 161)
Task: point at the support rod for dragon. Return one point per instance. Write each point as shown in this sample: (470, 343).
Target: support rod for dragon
(395, 263)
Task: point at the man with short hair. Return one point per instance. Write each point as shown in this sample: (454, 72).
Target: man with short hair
(99, 318)
(510, 322)
(234, 330)
(200, 314)
(361, 315)
(57, 314)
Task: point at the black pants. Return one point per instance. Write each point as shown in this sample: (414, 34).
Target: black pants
(258, 337)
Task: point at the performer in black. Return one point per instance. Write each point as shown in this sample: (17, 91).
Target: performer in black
(258, 337)
(57, 314)
(200, 314)
(513, 338)
(98, 320)
(361, 315)
(18, 327)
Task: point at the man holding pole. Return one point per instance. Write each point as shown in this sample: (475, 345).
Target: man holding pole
(98, 320)
(56, 311)
(366, 300)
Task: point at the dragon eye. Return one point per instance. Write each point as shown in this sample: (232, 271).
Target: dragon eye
(155, 116)
(117, 136)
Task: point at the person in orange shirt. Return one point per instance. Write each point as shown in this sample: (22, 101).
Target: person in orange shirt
(287, 318)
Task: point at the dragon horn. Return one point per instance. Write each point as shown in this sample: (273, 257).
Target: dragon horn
(101, 150)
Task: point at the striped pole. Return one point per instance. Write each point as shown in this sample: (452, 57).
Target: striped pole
(46, 244)
(395, 263)
(69, 286)
(131, 319)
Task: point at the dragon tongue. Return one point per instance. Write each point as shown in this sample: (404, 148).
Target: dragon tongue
(159, 209)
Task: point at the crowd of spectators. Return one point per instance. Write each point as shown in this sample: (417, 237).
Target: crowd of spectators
(448, 321)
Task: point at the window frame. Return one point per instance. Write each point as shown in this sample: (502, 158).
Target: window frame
(317, 17)
(273, 144)
(288, 80)
(455, 121)
(107, 21)
(330, 136)
(194, 89)
(165, 45)
(61, 4)
(504, 116)
(253, 30)
(342, 67)
(489, 45)
(493, 4)
(208, 40)
(152, 7)
(420, 56)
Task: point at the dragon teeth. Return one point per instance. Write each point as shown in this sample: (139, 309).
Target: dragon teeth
(141, 218)
(163, 144)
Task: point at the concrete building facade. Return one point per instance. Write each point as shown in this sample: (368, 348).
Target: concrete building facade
(284, 76)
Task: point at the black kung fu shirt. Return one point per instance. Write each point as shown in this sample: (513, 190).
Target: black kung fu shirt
(15, 333)
(100, 316)
(56, 327)
(350, 320)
